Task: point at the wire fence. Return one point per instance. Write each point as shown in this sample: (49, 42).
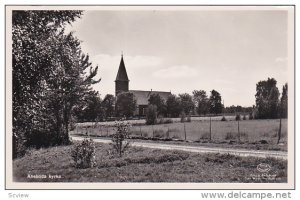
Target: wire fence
(244, 130)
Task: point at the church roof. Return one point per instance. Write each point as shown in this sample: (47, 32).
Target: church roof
(122, 74)
(143, 96)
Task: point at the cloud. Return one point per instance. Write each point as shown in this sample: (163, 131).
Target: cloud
(107, 61)
(222, 81)
(181, 71)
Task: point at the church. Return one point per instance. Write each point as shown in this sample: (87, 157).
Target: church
(122, 85)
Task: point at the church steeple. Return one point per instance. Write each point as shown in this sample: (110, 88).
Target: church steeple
(122, 74)
(122, 81)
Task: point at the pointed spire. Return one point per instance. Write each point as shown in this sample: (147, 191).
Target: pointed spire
(122, 74)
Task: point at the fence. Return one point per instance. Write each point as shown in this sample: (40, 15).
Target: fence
(244, 130)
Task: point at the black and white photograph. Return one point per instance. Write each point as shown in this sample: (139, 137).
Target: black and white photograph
(150, 97)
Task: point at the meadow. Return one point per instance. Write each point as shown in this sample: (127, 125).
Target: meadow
(244, 131)
(145, 165)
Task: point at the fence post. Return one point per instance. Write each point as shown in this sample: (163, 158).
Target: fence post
(184, 131)
(141, 130)
(209, 128)
(239, 131)
(152, 131)
(279, 132)
(107, 131)
(168, 133)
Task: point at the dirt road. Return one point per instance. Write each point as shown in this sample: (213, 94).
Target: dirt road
(200, 149)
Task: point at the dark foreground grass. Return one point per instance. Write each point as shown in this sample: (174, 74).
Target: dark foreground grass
(145, 165)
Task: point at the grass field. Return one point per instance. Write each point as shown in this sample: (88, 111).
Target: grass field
(145, 165)
(251, 131)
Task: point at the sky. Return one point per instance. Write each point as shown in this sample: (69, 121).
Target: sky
(181, 51)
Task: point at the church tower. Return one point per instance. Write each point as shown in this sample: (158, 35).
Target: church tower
(122, 81)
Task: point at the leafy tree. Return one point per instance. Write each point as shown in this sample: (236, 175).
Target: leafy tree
(186, 102)
(91, 109)
(108, 105)
(156, 100)
(151, 115)
(49, 70)
(125, 104)
(215, 101)
(284, 102)
(69, 82)
(267, 99)
(173, 106)
(201, 101)
(238, 109)
(33, 33)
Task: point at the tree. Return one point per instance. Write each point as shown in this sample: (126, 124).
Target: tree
(201, 101)
(33, 33)
(215, 102)
(156, 100)
(186, 102)
(151, 115)
(173, 106)
(90, 110)
(49, 76)
(108, 105)
(68, 83)
(284, 102)
(125, 104)
(267, 99)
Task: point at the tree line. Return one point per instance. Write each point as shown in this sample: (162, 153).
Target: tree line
(269, 104)
(96, 109)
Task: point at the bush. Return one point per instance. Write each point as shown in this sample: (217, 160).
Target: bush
(118, 139)
(223, 119)
(151, 115)
(251, 116)
(238, 117)
(83, 154)
(182, 117)
(188, 119)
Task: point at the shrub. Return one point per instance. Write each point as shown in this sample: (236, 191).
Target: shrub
(118, 138)
(223, 119)
(188, 119)
(238, 117)
(83, 154)
(151, 115)
(182, 117)
(251, 116)
(244, 118)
